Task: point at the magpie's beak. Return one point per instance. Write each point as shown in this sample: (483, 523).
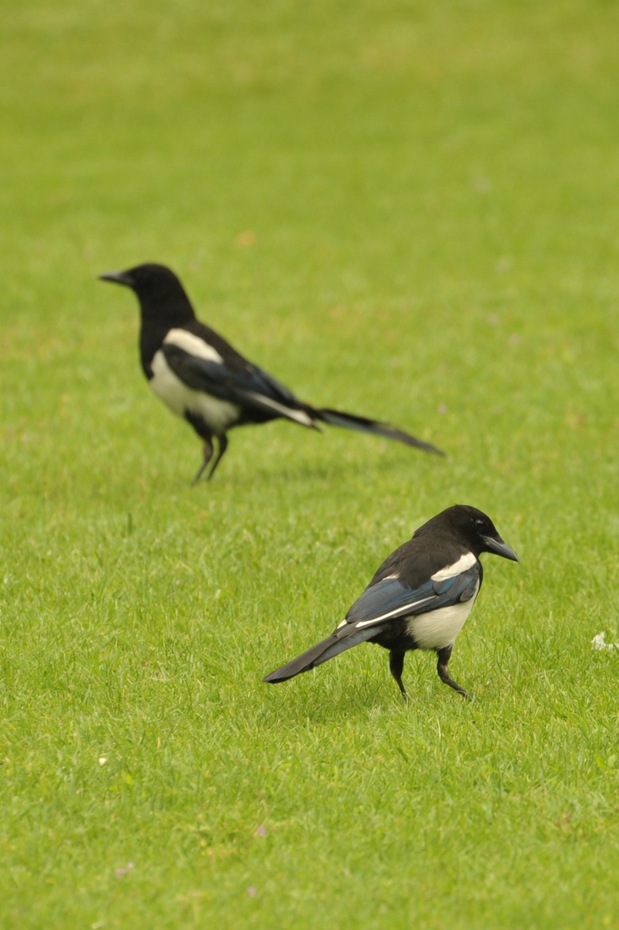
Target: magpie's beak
(117, 277)
(498, 547)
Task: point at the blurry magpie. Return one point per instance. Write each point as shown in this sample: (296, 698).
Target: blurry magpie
(419, 598)
(204, 380)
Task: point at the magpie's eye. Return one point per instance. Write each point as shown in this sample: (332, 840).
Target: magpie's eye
(479, 524)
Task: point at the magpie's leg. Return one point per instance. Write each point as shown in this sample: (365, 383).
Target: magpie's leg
(208, 455)
(223, 445)
(396, 667)
(444, 656)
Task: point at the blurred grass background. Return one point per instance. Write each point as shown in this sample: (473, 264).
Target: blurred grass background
(405, 209)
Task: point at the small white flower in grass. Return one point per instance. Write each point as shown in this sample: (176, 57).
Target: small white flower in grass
(102, 760)
(599, 643)
(252, 892)
(261, 830)
(120, 873)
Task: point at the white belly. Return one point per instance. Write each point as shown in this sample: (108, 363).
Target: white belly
(217, 414)
(439, 628)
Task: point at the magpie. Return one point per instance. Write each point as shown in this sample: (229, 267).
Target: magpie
(419, 598)
(208, 383)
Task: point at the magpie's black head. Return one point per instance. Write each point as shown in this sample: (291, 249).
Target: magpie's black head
(162, 297)
(472, 527)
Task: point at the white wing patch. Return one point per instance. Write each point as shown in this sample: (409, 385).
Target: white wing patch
(193, 345)
(299, 415)
(450, 571)
(393, 613)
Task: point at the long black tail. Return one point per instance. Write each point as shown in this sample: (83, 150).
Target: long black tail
(344, 638)
(363, 425)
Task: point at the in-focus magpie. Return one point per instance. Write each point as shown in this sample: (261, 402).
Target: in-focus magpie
(419, 598)
(204, 380)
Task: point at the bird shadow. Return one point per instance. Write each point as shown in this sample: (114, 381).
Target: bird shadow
(331, 701)
(335, 470)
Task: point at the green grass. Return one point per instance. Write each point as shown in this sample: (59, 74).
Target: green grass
(432, 191)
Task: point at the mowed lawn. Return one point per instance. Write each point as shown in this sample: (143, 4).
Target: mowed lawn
(402, 208)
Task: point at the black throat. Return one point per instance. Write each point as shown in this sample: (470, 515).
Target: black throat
(164, 305)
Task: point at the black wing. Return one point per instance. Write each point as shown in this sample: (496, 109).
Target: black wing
(389, 599)
(249, 387)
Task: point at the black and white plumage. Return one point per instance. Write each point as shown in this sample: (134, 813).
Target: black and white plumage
(419, 598)
(204, 380)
